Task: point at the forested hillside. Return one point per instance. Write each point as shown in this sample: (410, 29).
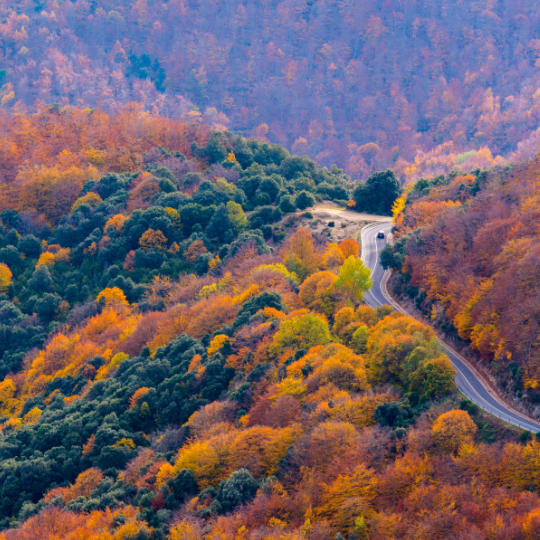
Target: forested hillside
(173, 366)
(415, 85)
(468, 251)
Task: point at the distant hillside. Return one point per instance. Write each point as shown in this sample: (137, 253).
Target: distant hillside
(469, 247)
(415, 85)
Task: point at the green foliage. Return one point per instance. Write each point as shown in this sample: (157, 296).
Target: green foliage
(378, 194)
(238, 489)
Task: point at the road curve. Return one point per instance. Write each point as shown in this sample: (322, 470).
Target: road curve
(468, 380)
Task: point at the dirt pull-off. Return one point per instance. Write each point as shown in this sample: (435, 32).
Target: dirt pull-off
(334, 223)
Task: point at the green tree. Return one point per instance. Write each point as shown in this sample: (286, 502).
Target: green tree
(304, 200)
(237, 216)
(41, 280)
(359, 339)
(378, 194)
(433, 378)
(238, 489)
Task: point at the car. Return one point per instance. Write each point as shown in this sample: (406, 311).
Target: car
(380, 234)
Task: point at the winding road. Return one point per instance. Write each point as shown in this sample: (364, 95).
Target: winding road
(469, 381)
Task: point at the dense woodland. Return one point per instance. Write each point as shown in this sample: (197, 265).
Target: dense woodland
(174, 366)
(415, 85)
(469, 254)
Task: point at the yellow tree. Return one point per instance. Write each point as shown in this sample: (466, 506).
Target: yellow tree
(5, 277)
(354, 278)
(453, 429)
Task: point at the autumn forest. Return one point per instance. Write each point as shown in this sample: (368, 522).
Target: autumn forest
(187, 349)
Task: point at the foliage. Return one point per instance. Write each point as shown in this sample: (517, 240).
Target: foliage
(408, 85)
(353, 279)
(301, 331)
(468, 253)
(198, 384)
(453, 429)
(378, 194)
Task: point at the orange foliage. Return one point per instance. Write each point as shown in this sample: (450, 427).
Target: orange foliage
(299, 254)
(152, 239)
(53, 523)
(46, 173)
(83, 486)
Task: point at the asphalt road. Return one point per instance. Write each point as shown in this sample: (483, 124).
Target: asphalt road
(468, 380)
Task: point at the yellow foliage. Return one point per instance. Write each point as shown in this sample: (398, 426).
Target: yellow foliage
(347, 497)
(5, 277)
(49, 258)
(217, 343)
(46, 258)
(7, 393)
(112, 297)
(273, 313)
(356, 410)
(259, 449)
(173, 214)
(452, 429)
(95, 157)
(131, 529)
(116, 222)
(32, 416)
(185, 530)
(333, 257)
(398, 207)
(291, 386)
(91, 198)
(125, 441)
(214, 263)
(207, 290)
(333, 364)
(278, 268)
(250, 292)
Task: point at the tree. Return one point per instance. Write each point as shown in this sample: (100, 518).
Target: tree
(47, 305)
(238, 489)
(5, 277)
(354, 279)
(453, 429)
(378, 194)
(301, 332)
(237, 216)
(112, 297)
(183, 485)
(359, 339)
(304, 200)
(299, 254)
(316, 292)
(433, 378)
(221, 227)
(153, 239)
(41, 280)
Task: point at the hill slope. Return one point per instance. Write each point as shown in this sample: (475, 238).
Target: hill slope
(470, 244)
(174, 368)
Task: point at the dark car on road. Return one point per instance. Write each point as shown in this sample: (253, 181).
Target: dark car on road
(380, 234)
